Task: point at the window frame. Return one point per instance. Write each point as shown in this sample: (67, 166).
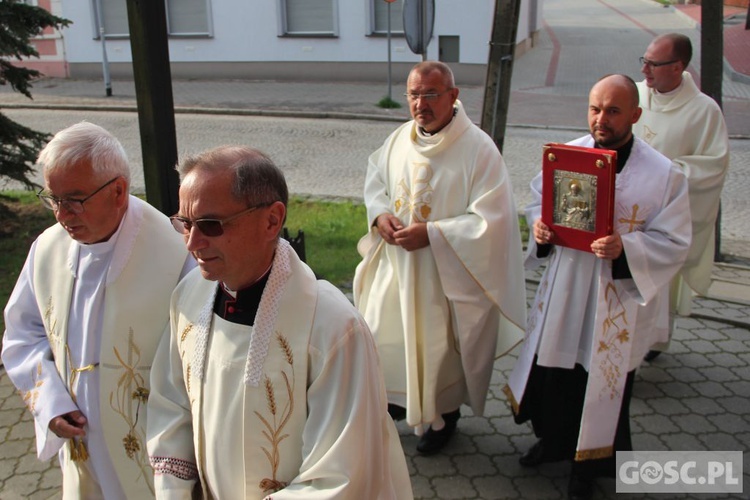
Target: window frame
(283, 29)
(209, 33)
(372, 27)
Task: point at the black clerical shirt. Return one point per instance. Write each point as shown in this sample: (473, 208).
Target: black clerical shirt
(241, 306)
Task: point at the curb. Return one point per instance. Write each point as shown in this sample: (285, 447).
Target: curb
(281, 114)
(729, 71)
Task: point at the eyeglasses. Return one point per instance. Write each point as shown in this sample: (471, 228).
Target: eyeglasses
(652, 64)
(72, 205)
(424, 97)
(209, 227)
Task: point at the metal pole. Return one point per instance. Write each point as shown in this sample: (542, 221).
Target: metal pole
(389, 51)
(712, 71)
(105, 62)
(425, 41)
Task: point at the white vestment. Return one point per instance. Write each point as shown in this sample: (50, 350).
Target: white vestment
(582, 315)
(83, 323)
(440, 315)
(688, 127)
(292, 407)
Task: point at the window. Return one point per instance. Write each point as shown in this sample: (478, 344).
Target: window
(308, 17)
(114, 16)
(190, 17)
(184, 17)
(379, 16)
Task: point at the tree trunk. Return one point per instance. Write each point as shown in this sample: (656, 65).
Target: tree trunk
(153, 88)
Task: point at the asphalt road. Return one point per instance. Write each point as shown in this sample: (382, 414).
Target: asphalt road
(328, 157)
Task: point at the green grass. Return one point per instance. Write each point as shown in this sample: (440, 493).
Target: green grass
(524, 230)
(388, 103)
(23, 219)
(332, 230)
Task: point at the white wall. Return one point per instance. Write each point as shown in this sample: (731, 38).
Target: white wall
(247, 31)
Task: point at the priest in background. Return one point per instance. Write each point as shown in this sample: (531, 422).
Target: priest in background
(687, 127)
(87, 313)
(596, 313)
(441, 282)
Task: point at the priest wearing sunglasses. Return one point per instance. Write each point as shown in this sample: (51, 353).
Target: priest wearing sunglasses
(270, 384)
(87, 313)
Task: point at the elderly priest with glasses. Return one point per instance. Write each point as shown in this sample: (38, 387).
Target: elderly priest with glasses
(269, 385)
(87, 313)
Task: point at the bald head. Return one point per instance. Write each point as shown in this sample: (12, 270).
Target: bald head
(679, 45)
(666, 57)
(623, 82)
(424, 68)
(613, 109)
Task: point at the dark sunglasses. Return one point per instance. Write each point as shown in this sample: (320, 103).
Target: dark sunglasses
(209, 227)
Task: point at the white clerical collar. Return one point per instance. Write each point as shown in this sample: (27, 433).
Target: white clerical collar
(673, 91)
(103, 247)
(423, 134)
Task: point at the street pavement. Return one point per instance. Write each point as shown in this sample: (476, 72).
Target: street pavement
(696, 397)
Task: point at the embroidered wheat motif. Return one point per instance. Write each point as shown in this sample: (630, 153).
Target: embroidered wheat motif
(30, 397)
(273, 427)
(130, 395)
(185, 332)
(614, 334)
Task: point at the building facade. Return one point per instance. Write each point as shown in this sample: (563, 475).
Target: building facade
(285, 39)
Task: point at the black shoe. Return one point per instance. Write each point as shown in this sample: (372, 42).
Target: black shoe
(539, 454)
(580, 487)
(433, 441)
(651, 355)
(396, 412)
(534, 456)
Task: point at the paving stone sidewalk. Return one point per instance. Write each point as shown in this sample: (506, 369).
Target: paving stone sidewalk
(695, 397)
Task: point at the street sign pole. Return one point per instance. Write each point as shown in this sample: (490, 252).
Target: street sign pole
(426, 30)
(419, 21)
(389, 2)
(105, 61)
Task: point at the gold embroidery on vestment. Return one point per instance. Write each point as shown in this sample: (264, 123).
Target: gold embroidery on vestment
(648, 134)
(614, 333)
(594, 454)
(513, 403)
(127, 402)
(78, 451)
(413, 200)
(274, 425)
(52, 334)
(31, 396)
(185, 332)
(632, 222)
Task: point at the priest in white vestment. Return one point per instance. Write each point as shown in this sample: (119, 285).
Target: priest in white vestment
(596, 313)
(441, 282)
(687, 127)
(87, 313)
(269, 385)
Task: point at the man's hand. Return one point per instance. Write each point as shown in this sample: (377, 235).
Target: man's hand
(68, 425)
(388, 224)
(413, 237)
(608, 247)
(542, 233)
